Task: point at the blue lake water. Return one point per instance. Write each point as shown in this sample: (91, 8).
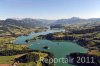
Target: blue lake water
(58, 48)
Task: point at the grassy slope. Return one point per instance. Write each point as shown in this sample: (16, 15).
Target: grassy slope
(7, 59)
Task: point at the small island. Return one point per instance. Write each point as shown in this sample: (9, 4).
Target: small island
(45, 47)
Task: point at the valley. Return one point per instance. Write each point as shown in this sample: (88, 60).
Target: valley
(27, 37)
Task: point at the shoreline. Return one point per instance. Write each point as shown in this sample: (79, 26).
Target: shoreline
(80, 41)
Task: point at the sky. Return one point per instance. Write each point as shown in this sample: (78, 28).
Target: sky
(49, 9)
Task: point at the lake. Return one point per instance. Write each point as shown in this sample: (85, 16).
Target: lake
(58, 48)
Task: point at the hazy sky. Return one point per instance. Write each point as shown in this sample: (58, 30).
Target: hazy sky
(49, 9)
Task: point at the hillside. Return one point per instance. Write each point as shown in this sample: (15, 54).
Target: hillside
(23, 26)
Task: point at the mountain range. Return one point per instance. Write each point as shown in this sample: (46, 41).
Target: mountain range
(31, 23)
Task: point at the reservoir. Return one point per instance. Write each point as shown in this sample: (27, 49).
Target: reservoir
(58, 48)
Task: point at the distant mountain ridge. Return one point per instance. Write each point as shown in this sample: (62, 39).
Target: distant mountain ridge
(31, 23)
(76, 20)
(28, 23)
